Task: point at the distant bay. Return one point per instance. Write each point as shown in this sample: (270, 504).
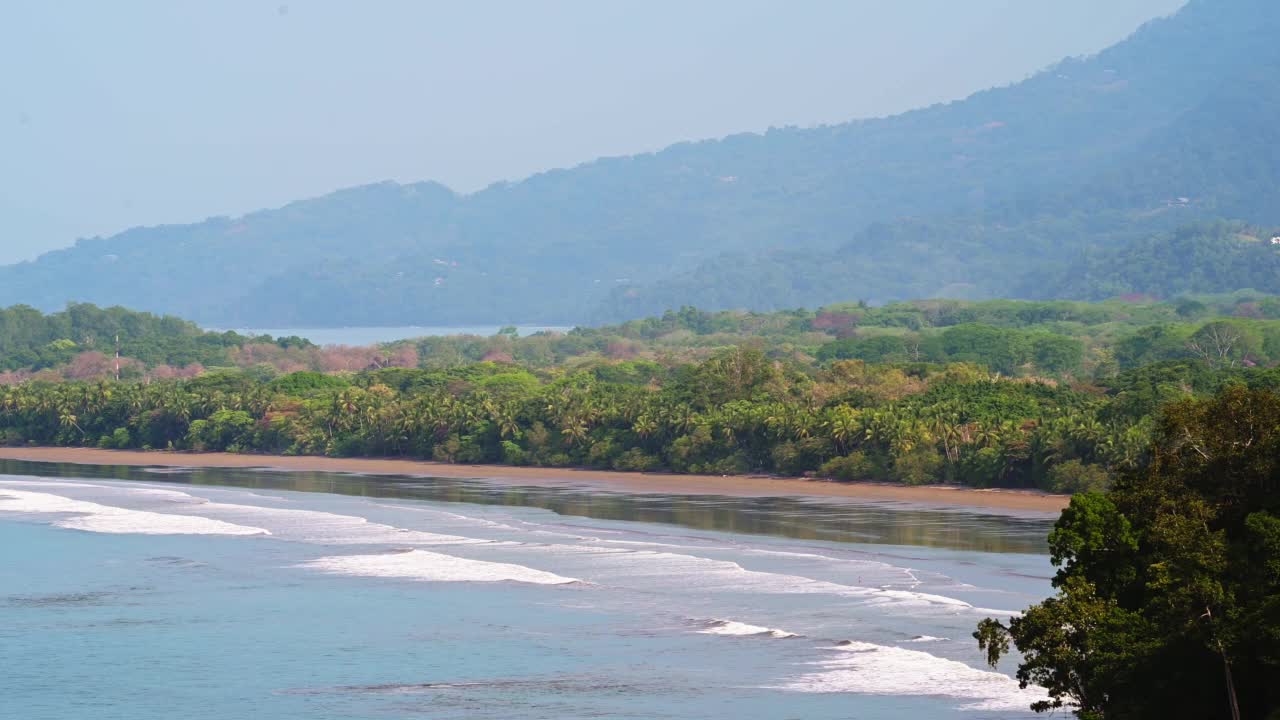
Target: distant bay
(374, 335)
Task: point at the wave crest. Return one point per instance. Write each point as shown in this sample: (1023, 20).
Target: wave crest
(92, 517)
(870, 669)
(433, 567)
(735, 628)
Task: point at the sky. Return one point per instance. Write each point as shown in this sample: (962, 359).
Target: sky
(124, 113)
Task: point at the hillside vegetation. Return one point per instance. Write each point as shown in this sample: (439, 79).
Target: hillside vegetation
(1072, 184)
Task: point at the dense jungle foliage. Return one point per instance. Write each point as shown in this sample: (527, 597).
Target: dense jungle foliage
(738, 411)
(1168, 601)
(1055, 395)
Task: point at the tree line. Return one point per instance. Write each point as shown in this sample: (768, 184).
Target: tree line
(736, 412)
(81, 338)
(1059, 340)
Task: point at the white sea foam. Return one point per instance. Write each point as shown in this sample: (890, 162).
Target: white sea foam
(94, 517)
(434, 567)
(326, 528)
(926, 639)
(259, 496)
(870, 669)
(452, 516)
(641, 543)
(23, 481)
(311, 526)
(997, 613)
(783, 553)
(647, 568)
(165, 494)
(735, 628)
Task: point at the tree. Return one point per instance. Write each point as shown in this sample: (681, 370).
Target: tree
(1168, 587)
(999, 349)
(1221, 344)
(920, 465)
(737, 373)
(1073, 477)
(1190, 308)
(223, 430)
(1056, 353)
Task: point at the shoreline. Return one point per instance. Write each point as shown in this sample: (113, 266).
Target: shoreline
(663, 483)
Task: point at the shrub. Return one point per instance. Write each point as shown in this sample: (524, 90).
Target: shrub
(850, 468)
(602, 453)
(920, 466)
(735, 464)
(636, 460)
(300, 383)
(120, 439)
(512, 453)
(1074, 477)
(448, 450)
(800, 456)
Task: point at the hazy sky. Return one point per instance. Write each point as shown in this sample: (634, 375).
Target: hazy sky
(122, 113)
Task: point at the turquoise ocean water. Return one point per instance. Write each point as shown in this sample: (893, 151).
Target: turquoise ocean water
(240, 594)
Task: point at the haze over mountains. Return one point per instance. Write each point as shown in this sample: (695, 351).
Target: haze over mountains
(1096, 177)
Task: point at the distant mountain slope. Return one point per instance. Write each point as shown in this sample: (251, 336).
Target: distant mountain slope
(1193, 260)
(992, 195)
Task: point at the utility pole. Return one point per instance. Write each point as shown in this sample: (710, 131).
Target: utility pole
(117, 357)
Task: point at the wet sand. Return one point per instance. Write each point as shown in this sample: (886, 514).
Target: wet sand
(664, 483)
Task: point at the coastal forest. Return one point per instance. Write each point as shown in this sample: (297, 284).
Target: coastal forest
(1058, 396)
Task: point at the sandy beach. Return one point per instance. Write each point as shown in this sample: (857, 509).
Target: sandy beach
(667, 483)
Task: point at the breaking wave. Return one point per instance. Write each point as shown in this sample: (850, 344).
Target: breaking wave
(93, 517)
(735, 628)
(870, 669)
(434, 567)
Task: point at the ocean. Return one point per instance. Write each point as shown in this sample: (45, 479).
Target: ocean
(226, 594)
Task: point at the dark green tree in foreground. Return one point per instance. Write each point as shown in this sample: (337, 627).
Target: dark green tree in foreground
(1168, 600)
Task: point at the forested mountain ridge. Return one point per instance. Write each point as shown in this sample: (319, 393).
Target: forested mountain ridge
(1004, 193)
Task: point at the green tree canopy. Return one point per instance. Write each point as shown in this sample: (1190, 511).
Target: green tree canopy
(1168, 599)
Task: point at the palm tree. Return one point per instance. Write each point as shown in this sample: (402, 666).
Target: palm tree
(575, 431)
(67, 418)
(946, 428)
(504, 418)
(844, 425)
(644, 426)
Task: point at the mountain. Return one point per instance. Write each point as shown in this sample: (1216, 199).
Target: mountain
(1004, 193)
(1193, 260)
